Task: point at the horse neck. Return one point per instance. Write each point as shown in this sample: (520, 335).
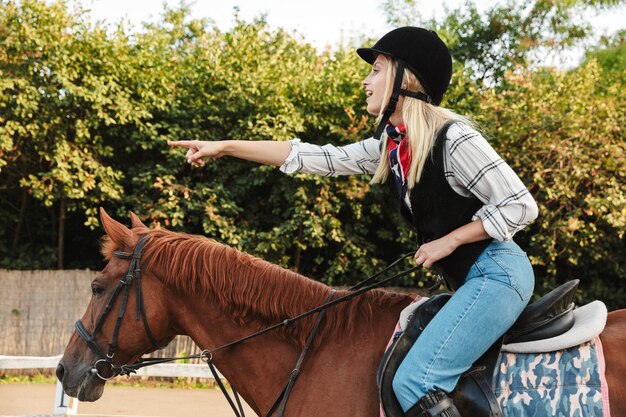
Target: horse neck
(247, 295)
(254, 367)
(259, 368)
(245, 298)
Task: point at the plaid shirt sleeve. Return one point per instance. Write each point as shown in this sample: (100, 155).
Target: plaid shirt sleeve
(473, 166)
(329, 160)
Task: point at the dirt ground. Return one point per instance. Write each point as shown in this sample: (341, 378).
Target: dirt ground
(38, 400)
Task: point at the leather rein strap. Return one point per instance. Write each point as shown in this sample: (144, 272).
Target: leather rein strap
(284, 396)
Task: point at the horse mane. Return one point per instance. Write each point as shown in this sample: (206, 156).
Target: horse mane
(251, 289)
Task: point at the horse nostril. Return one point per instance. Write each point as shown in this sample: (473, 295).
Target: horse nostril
(60, 372)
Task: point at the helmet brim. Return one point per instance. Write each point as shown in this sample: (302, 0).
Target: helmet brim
(369, 54)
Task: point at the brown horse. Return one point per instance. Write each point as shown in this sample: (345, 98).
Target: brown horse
(215, 294)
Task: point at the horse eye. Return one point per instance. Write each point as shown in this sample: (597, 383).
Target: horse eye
(96, 289)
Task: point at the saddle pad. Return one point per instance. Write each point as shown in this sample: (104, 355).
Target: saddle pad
(567, 383)
(407, 313)
(589, 321)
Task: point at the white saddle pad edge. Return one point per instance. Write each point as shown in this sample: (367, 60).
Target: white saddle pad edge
(407, 313)
(589, 321)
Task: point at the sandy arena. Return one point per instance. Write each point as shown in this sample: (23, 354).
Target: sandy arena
(38, 400)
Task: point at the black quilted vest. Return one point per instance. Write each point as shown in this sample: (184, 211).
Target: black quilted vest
(438, 210)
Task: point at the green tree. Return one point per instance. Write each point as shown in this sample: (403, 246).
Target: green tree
(508, 34)
(563, 132)
(86, 110)
(65, 85)
(253, 83)
(611, 56)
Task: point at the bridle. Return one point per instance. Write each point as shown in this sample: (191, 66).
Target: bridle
(105, 362)
(104, 367)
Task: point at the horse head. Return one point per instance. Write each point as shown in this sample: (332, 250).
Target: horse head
(125, 300)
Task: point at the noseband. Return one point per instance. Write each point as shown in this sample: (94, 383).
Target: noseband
(105, 363)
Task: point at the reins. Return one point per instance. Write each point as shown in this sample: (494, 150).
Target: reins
(356, 290)
(207, 354)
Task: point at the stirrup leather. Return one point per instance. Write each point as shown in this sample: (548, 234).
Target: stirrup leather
(434, 404)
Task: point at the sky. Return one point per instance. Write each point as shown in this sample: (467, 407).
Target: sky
(320, 22)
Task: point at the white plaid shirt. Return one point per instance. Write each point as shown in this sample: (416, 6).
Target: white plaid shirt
(472, 167)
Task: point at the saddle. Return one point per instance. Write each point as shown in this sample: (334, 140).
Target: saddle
(550, 316)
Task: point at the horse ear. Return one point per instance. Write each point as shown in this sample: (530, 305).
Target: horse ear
(136, 222)
(117, 232)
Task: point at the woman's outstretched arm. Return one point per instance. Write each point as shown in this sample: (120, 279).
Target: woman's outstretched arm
(266, 152)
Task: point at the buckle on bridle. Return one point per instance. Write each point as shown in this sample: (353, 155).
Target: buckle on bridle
(206, 356)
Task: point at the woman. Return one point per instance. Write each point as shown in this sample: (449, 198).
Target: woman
(464, 202)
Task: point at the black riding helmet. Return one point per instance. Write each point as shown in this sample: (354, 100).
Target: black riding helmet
(424, 54)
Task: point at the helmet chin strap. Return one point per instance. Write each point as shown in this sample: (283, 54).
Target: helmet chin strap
(395, 95)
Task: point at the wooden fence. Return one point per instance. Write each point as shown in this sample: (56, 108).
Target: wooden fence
(38, 310)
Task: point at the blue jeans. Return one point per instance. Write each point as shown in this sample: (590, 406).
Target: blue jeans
(494, 294)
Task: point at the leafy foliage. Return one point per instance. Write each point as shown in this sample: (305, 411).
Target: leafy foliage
(85, 112)
(563, 133)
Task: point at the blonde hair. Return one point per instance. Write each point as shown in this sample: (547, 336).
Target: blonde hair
(421, 120)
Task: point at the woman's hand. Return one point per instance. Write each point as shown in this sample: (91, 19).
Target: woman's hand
(429, 253)
(197, 150)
